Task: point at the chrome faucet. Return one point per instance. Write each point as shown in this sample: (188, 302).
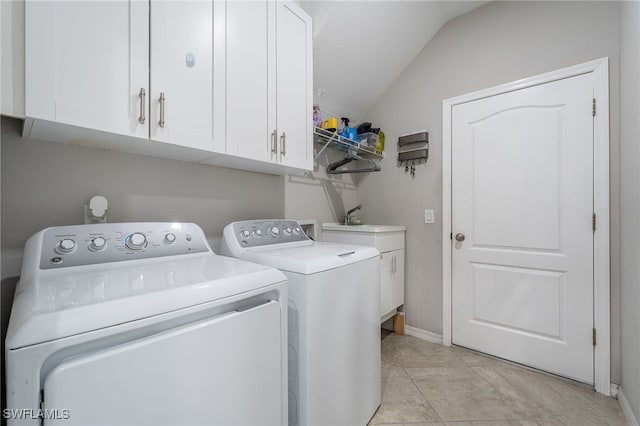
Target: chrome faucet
(347, 217)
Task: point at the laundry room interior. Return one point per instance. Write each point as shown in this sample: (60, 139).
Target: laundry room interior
(343, 123)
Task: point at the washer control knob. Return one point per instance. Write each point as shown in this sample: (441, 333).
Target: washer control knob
(274, 231)
(296, 230)
(136, 241)
(170, 238)
(245, 234)
(257, 233)
(98, 243)
(66, 246)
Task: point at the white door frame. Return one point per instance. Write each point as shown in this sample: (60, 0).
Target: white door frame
(600, 70)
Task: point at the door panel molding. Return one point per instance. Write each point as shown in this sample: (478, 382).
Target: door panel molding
(601, 310)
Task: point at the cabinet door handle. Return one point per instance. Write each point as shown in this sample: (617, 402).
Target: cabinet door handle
(393, 269)
(283, 144)
(162, 99)
(142, 96)
(274, 146)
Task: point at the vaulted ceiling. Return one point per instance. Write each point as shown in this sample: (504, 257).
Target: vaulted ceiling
(361, 47)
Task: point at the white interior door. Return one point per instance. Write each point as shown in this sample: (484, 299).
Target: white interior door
(522, 196)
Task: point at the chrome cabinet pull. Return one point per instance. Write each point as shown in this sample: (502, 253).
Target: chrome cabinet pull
(274, 147)
(142, 95)
(162, 99)
(283, 144)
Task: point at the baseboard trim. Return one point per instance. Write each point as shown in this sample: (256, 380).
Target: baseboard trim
(613, 390)
(429, 336)
(626, 409)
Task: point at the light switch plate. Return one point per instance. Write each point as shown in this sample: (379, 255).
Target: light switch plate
(429, 216)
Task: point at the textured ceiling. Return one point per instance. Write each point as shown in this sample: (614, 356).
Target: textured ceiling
(361, 47)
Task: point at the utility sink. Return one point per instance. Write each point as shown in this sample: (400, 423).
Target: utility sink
(334, 226)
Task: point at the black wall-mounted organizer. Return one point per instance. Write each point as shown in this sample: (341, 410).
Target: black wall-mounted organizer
(413, 149)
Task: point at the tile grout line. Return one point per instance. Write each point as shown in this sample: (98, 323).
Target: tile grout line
(546, 416)
(421, 393)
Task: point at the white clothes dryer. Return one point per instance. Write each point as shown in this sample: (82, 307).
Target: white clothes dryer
(334, 319)
(142, 324)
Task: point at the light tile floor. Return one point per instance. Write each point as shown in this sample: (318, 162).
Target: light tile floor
(429, 384)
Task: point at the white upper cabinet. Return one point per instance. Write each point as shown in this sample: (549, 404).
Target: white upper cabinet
(268, 69)
(250, 79)
(294, 97)
(181, 90)
(216, 82)
(87, 63)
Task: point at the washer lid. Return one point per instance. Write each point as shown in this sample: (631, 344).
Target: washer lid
(64, 302)
(309, 257)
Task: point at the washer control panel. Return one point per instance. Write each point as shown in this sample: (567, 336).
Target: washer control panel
(112, 242)
(253, 233)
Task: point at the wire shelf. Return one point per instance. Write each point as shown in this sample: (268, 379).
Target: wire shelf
(326, 138)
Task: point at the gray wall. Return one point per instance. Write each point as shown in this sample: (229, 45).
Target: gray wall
(320, 196)
(47, 184)
(494, 44)
(630, 200)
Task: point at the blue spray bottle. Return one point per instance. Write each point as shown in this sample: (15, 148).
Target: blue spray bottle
(348, 132)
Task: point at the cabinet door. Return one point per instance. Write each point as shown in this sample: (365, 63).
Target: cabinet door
(397, 286)
(386, 283)
(250, 80)
(182, 72)
(86, 63)
(294, 98)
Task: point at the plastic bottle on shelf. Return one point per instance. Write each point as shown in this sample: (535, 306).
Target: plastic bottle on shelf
(348, 132)
(380, 143)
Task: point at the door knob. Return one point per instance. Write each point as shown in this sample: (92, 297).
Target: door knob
(460, 237)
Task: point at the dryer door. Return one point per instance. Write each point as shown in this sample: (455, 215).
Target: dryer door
(222, 370)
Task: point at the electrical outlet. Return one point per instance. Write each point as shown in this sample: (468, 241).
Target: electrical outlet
(90, 218)
(429, 216)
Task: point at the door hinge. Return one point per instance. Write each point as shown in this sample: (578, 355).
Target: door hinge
(593, 222)
(594, 337)
(593, 109)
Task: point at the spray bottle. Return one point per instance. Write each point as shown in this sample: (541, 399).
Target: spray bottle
(348, 132)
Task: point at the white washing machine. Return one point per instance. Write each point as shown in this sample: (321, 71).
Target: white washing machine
(142, 324)
(334, 319)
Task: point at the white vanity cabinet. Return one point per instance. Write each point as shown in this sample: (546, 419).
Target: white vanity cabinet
(389, 240)
(268, 85)
(391, 282)
(217, 82)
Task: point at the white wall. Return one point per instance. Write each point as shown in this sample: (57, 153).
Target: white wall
(12, 63)
(630, 201)
(494, 44)
(47, 184)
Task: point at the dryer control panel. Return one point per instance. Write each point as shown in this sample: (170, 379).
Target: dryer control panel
(253, 233)
(91, 244)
